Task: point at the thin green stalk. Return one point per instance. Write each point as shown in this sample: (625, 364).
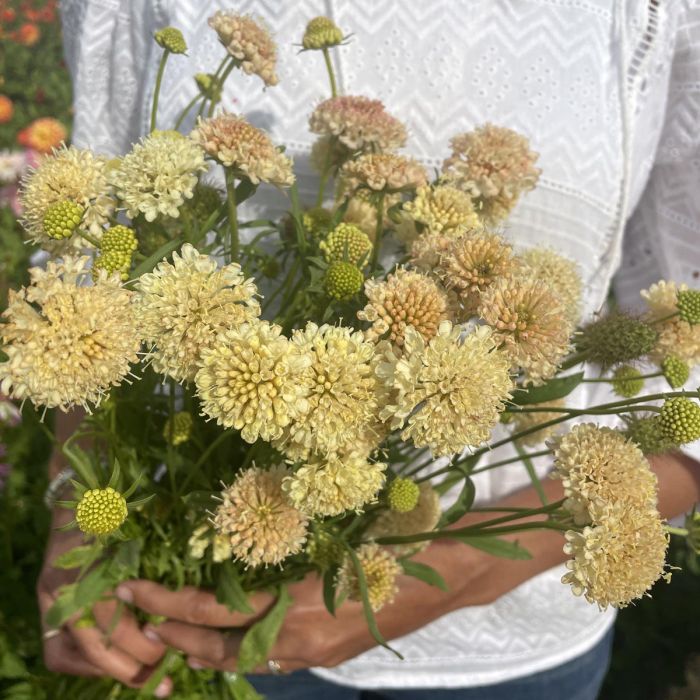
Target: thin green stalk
(331, 74)
(611, 380)
(89, 238)
(530, 468)
(520, 456)
(220, 438)
(574, 359)
(681, 531)
(325, 172)
(378, 233)
(220, 85)
(186, 111)
(156, 92)
(234, 243)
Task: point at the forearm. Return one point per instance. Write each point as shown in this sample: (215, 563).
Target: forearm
(66, 425)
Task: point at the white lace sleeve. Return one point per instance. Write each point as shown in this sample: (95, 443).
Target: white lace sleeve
(108, 44)
(662, 239)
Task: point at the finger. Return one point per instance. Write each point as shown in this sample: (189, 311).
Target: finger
(121, 629)
(190, 604)
(114, 662)
(216, 648)
(61, 655)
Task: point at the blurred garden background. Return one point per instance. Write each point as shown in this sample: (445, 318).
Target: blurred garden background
(657, 642)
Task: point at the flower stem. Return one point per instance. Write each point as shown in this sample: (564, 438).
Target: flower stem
(602, 380)
(331, 74)
(89, 238)
(378, 233)
(220, 86)
(186, 111)
(234, 244)
(156, 92)
(681, 531)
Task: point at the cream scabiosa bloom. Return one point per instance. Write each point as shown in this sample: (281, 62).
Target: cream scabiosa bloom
(183, 305)
(382, 172)
(250, 380)
(67, 343)
(380, 570)
(261, 525)
(447, 393)
(158, 175)
(443, 209)
(73, 175)
(339, 384)
(236, 144)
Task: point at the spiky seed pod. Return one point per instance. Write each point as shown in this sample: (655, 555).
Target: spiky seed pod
(616, 338)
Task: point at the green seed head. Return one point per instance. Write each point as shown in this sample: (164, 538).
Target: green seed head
(616, 338)
(179, 427)
(321, 33)
(171, 39)
(324, 550)
(116, 249)
(649, 435)
(688, 302)
(403, 495)
(317, 221)
(348, 243)
(627, 381)
(680, 420)
(101, 511)
(205, 201)
(208, 86)
(675, 371)
(62, 218)
(343, 281)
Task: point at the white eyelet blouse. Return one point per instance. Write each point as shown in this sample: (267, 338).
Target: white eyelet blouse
(608, 91)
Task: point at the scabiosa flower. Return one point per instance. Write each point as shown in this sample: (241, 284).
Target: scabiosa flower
(43, 135)
(402, 495)
(329, 486)
(101, 511)
(404, 299)
(12, 165)
(69, 174)
(116, 249)
(443, 209)
(158, 175)
(183, 305)
(615, 338)
(426, 250)
(680, 420)
(493, 164)
(235, 143)
(262, 526)
(676, 336)
(178, 428)
(560, 273)
(67, 343)
(617, 558)
(382, 172)
(528, 319)
(380, 570)
(249, 41)
(471, 263)
(527, 420)
(249, 380)
(343, 280)
(340, 387)
(171, 39)
(676, 372)
(348, 243)
(447, 393)
(321, 33)
(359, 123)
(361, 212)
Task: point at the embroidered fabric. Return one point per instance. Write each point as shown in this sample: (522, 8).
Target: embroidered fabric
(608, 92)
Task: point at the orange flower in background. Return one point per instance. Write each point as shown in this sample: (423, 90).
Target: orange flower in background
(28, 34)
(8, 15)
(7, 109)
(42, 134)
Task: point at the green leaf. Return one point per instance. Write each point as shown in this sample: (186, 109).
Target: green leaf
(114, 478)
(366, 606)
(461, 505)
(245, 190)
(157, 676)
(81, 463)
(76, 557)
(260, 638)
(229, 591)
(329, 585)
(424, 572)
(554, 389)
(530, 468)
(495, 545)
(64, 606)
(149, 263)
(240, 688)
(140, 501)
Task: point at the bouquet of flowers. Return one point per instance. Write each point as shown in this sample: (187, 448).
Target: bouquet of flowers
(271, 399)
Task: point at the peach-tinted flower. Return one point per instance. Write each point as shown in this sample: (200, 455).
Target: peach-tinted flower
(28, 34)
(43, 135)
(7, 109)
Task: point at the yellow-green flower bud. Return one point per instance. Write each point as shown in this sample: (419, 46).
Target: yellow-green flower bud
(208, 86)
(205, 201)
(676, 371)
(627, 381)
(616, 338)
(343, 281)
(649, 435)
(179, 428)
(689, 305)
(324, 550)
(403, 495)
(116, 249)
(321, 33)
(101, 511)
(349, 243)
(680, 420)
(171, 39)
(62, 218)
(317, 221)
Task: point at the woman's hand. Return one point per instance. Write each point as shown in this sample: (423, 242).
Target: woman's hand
(310, 636)
(122, 651)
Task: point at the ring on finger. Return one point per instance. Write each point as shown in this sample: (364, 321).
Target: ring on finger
(274, 668)
(51, 633)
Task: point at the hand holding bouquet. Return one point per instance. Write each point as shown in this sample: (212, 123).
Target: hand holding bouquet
(271, 403)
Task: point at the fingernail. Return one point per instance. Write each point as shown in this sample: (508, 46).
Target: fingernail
(151, 634)
(125, 594)
(194, 665)
(163, 689)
